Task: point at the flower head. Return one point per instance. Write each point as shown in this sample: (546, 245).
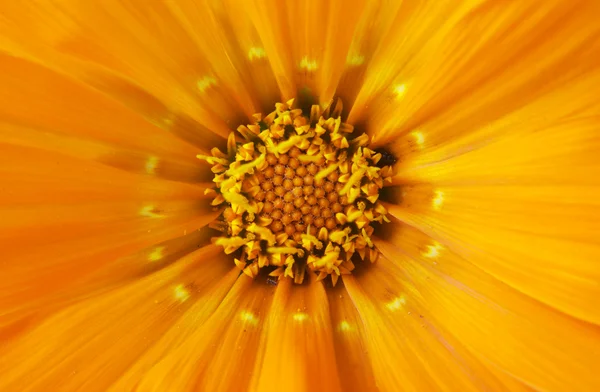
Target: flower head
(439, 231)
(299, 194)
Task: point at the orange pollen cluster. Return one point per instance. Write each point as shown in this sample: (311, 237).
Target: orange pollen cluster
(298, 194)
(294, 199)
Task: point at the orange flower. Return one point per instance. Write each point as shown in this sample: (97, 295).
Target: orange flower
(488, 274)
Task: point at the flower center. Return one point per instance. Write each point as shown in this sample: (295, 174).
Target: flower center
(299, 193)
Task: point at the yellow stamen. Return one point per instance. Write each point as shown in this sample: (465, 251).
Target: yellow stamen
(247, 168)
(353, 180)
(296, 196)
(231, 244)
(309, 158)
(325, 172)
(283, 250)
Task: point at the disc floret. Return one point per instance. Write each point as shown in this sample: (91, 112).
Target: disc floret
(298, 193)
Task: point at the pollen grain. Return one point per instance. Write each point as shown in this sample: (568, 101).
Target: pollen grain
(298, 194)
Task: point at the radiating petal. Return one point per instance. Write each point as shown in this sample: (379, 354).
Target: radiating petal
(406, 354)
(216, 44)
(128, 159)
(64, 218)
(90, 344)
(234, 324)
(524, 187)
(297, 351)
(175, 340)
(349, 339)
(307, 43)
(36, 97)
(548, 141)
(320, 50)
(370, 36)
(245, 45)
(405, 47)
(142, 57)
(275, 40)
(540, 346)
(41, 176)
(482, 61)
(537, 239)
(488, 282)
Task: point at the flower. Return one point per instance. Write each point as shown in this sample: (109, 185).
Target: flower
(487, 274)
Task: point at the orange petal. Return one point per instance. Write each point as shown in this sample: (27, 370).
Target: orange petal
(166, 78)
(461, 68)
(320, 53)
(371, 31)
(539, 240)
(405, 353)
(232, 361)
(188, 169)
(215, 351)
(175, 341)
(90, 344)
(40, 176)
(496, 323)
(297, 351)
(349, 339)
(550, 141)
(36, 97)
(400, 50)
(254, 62)
(232, 92)
(62, 220)
(275, 40)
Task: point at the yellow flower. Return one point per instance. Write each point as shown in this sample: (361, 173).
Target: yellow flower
(487, 276)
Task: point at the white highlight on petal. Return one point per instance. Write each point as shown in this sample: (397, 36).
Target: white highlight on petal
(206, 82)
(300, 316)
(433, 251)
(156, 254)
(309, 65)
(165, 122)
(400, 90)
(438, 200)
(249, 317)
(151, 165)
(419, 137)
(396, 304)
(181, 293)
(355, 59)
(344, 326)
(256, 53)
(150, 211)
